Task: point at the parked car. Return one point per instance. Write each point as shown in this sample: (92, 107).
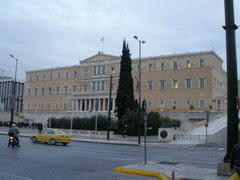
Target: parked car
(51, 136)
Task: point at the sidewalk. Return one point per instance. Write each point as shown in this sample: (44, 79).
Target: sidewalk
(160, 170)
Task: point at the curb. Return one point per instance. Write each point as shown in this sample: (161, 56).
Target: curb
(141, 173)
(234, 176)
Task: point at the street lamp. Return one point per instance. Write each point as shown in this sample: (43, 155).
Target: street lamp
(139, 81)
(110, 105)
(13, 91)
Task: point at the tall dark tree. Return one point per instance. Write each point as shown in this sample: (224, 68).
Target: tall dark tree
(125, 95)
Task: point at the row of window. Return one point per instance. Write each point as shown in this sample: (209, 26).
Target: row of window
(100, 86)
(58, 76)
(188, 103)
(175, 65)
(175, 83)
(50, 90)
(49, 106)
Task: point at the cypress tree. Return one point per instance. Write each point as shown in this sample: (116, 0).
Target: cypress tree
(125, 95)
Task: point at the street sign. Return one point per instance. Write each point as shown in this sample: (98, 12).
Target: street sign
(206, 125)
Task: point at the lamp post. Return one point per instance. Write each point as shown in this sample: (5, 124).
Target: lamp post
(13, 91)
(139, 79)
(110, 105)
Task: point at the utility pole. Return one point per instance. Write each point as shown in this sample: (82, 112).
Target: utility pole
(232, 88)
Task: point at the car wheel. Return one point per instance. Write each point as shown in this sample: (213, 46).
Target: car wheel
(34, 139)
(52, 141)
(64, 144)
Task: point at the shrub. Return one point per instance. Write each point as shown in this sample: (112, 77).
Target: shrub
(83, 123)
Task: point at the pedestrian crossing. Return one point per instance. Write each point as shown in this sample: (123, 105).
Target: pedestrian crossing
(206, 147)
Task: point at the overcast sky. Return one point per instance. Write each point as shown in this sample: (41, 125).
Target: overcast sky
(55, 33)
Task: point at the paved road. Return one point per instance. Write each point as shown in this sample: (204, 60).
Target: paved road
(93, 160)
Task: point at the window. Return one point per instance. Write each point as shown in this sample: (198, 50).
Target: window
(175, 65)
(49, 106)
(59, 75)
(162, 66)
(149, 103)
(43, 91)
(67, 75)
(41, 106)
(150, 67)
(36, 77)
(188, 102)
(75, 74)
(44, 76)
(65, 89)
(103, 85)
(188, 83)
(36, 91)
(57, 90)
(150, 85)
(201, 82)
(175, 83)
(84, 87)
(51, 76)
(162, 84)
(50, 91)
(174, 103)
(162, 103)
(98, 70)
(95, 70)
(215, 82)
(74, 88)
(201, 103)
(28, 106)
(29, 92)
(188, 64)
(85, 72)
(30, 78)
(57, 106)
(201, 62)
(65, 106)
(98, 85)
(103, 69)
(35, 107)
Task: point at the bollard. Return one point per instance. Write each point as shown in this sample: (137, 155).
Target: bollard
(173, 175)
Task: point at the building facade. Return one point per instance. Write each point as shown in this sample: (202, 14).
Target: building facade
(178, 82)
(7, 94)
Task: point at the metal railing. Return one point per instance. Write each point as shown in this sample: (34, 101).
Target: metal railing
(189, 137)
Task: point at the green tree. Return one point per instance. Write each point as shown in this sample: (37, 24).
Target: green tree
(125, 95)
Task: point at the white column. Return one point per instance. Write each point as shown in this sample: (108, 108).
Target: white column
(90, 104)
(94, 107)
(104, 104)
(113, 105)
(99, 104)
(80, 101)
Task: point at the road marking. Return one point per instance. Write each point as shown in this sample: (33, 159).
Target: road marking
(123, 159)
(21, 177)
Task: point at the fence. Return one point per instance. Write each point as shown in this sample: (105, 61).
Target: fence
(189, 137)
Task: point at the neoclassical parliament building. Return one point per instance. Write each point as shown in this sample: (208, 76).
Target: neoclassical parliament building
(178, 82)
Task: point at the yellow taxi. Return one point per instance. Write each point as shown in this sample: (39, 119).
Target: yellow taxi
(52, 136)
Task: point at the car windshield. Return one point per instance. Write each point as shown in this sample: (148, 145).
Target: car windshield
(60, 132)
